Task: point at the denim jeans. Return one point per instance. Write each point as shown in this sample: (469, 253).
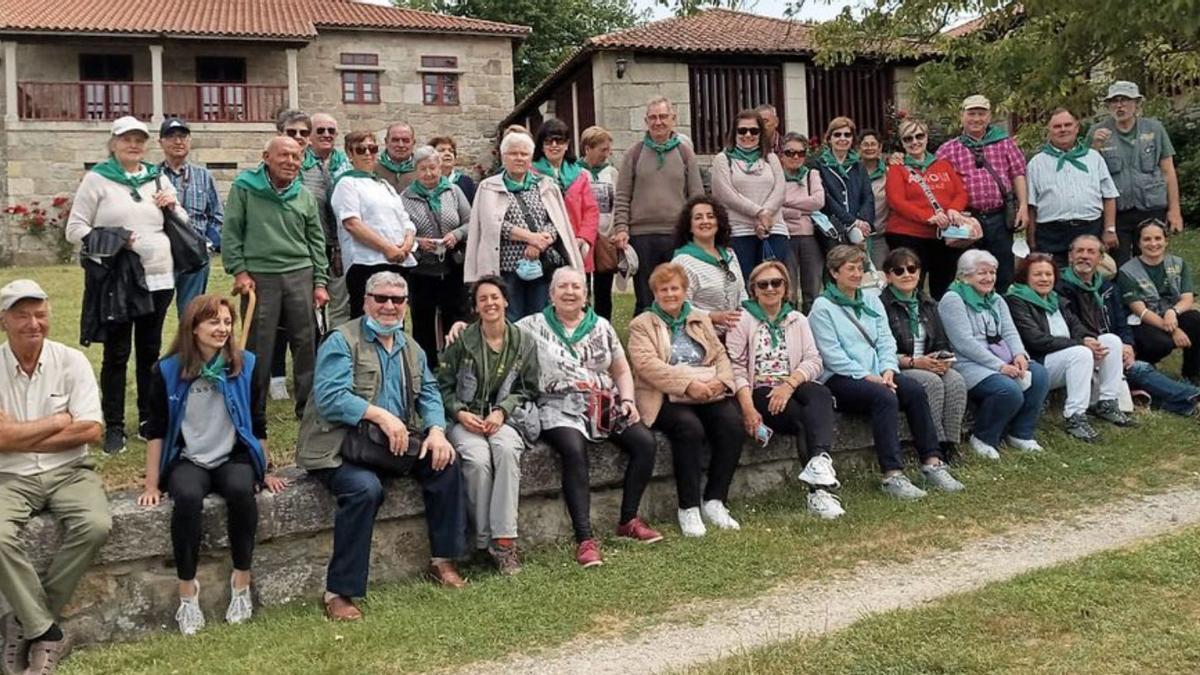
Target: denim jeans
(188, 286)
(1001, 405)
(998, 240)
(1166, 392)
(861, 397)
(526, 297)
(749, 251)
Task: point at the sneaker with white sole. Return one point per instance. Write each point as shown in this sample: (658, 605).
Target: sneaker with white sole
(1024, 444)
(938, 476)
(983, 449)
(825, 505)
(241, 606)
(278, 390)
(819, 472)
(189, 616)
(900, 487)
(690, 523)
(714, 512)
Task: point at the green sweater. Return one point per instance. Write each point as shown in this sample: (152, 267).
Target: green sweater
(265, 236)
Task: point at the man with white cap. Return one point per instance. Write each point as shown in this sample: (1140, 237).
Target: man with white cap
(49, 412)
(1140, 158)
(993, 171)
(197, 193)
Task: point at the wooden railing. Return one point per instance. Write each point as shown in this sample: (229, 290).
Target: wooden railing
(195, 102)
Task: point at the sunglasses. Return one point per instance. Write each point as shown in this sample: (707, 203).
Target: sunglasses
(327, 131)
(302, 133)
(366, 149)
(764, 284)
(842, 134)
(747, 131)
(554, 140)
(901, 270)
(382, 299)
(794, 153)
(914, 137)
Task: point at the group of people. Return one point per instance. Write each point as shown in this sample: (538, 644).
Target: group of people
(857, 281)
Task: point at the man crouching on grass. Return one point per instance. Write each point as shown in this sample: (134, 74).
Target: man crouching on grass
(49, 412)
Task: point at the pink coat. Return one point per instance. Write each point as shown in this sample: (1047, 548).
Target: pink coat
(802, 348)
(585, 215)
(800, 200)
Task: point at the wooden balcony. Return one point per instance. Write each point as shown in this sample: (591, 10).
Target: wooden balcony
(195, 102)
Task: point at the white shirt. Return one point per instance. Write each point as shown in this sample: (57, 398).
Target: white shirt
(1069, 194)
(376, 204)
(61, 382)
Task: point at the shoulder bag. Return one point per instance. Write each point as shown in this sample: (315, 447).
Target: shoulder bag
(956, 236)
(367, 445)
(552, 258)
(1010, 199)
(189, 249)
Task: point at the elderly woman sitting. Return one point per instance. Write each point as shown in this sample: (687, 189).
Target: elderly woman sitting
(715, 282)
(520, 230)
(991, 357)
(1057, 339)
(586, 395)
(861, 369)
(684, 384)
(776, 365)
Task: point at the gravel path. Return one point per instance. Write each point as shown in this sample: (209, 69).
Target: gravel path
(812, 609)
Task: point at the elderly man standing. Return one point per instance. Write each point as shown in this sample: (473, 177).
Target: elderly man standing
(323, 163)
(993, 171)
(1141, 160)
(657, 176)
(770, 118)
(396, 164)
(1070, 191)
(274, 246)
(370, 375)
(49, 412)
(197, 193)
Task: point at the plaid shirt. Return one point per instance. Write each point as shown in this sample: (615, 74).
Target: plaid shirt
(1004, 157)
(197, 193)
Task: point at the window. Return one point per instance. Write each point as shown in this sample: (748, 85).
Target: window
(348, 59)
(439, 80)
(106, 67)
(102, 100)
(224, 69)
(720, 91)
(862, 92)
(359, 86)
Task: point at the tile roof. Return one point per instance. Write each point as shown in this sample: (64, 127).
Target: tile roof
(279, 19)
(713, 31)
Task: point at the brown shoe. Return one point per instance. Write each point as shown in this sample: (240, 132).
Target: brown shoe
(443, 573)
(339, 608)
(44, 656)
(507, 559)
(15, 647)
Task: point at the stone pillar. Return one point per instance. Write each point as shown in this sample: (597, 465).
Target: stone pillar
(10, 81)
(293, 78)
(575, 116)
(156, 84)
(795, 97)
(902, 79)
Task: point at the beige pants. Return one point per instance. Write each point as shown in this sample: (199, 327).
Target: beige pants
(491, 468)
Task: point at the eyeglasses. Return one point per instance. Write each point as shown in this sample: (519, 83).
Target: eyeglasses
(302, 133)
(914, 137)
(794, 153)
(327, 131)
(554, 140)
(366, 149)
(747, 131)
(842, 134)
(382, 299)
(901, 270)
(660, 117)
(764, 284)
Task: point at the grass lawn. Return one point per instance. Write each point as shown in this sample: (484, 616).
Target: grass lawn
(1120, 612)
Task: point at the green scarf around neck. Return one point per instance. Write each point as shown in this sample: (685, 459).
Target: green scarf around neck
(594, 170)
(857, 303)
(994, 134)
(354, 173)
(843, 167)
(337, 160)
(974, 301)
(797, 176)
(454, 176)
(214, 370)
(432, 196)
(661, 149)
(581, 331)
(774, 327)
(565, 175)
(747, 156)
(398, 168)
(1024, 292)
(1068, 275)
(259, 182)
(878, 172)
(112, 170)
(514, 186)
(672, 324)
(693, 249)
(1073, 156)
(919, 164)
(913, 304)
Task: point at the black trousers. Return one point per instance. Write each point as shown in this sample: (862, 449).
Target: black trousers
(652, 250)
(809, 411)
(571, 445)
(429, 295)
(1153, 345)
(884, 407)
(688, 426)
(1055, 237)
(939, 262)
(602, 285)
(1127, 222)
(143, 336)
(356, 284)
(188, 484)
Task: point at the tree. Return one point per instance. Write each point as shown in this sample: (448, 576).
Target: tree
(692, 7)
(559, 27)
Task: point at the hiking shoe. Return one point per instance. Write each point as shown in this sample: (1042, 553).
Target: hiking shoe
(1078, 427)
(114, 440)
(938, 475)
(1110, 412)
(506, 558)
(819, 472)
(14, 657)
(983, 449)
(1024, 444)
(278, 390)
(690, 523)
(714, 511)
(638, 530)
(44, 655)
(241, 607)
(900, 487)
(825, 505)
(189, 616)
(587, 554)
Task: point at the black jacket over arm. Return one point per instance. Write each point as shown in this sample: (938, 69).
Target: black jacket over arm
(1033, 324)
(897, 313)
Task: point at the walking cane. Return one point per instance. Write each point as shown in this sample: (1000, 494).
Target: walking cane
(247, 319)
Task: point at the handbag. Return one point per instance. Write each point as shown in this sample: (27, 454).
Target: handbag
(552, 258)
(367, 445)
(955, 236)
(189, 248)
(605, 255)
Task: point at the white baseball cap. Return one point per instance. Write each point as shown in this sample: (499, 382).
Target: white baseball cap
(19, 290)
(128, 123)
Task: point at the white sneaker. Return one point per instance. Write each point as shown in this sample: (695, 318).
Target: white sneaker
(819, 472)
(278, 390)
(241, 607)
(983, 449)
(1024, 444)
(715, 512)
(825, 504)
(690, 523)
(189, 616)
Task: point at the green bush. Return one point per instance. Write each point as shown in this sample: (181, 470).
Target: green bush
(1184, 129)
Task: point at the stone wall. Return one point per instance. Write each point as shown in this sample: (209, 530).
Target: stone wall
(621, 102)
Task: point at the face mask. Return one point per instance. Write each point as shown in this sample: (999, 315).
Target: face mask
(529, 270)
(386, 331)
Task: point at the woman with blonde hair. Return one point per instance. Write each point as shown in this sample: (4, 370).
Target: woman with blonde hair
(596, 145)
(849, 202)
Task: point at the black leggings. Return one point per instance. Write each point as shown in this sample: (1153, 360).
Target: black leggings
(571, 445)
(688, 426)
(808, 411)
(1154, 345)
(143, 336)
(429, 295)
(188, 484)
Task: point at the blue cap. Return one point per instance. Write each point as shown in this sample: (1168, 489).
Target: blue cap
(173, 124)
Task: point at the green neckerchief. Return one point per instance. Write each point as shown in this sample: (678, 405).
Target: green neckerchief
(355, 173)
(1024, 292)
(918, 164)
(258, 182)
(337, 160)
(564, 176)
(518, 186)
(214, 370)
(454, 176)
(672, 324)
(407, 166)
(878, 172)
(842, 168)
(974, 301)
(774, 328)
(693, 249)
(112, 170)
(432, 196)
(1068, 275)
(994, 134)
(747, 156)
(594, 170)
(913, 304)
(798, 176)
(581, 331)
(857, 303)
(661, 149)
(1064, 156)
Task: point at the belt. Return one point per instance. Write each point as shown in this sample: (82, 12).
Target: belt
(991, 212)
(1072, 223)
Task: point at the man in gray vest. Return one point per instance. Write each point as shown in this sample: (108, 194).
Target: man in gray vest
(369, 374)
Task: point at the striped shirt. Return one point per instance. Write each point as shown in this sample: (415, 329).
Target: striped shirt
(1069, 194)
(197, 194)
(712, 288)
(1004, 157)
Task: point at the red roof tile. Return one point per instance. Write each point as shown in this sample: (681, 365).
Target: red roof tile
(715, 30)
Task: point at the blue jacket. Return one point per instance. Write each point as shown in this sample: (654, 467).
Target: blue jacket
(843, 349)
(850, 198)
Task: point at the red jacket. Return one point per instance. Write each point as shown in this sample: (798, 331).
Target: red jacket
(910, 208)
(585, 215)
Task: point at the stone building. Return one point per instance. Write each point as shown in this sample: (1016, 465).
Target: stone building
(228, 67)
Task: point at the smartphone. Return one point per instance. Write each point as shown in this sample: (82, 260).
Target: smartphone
(763, 434)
